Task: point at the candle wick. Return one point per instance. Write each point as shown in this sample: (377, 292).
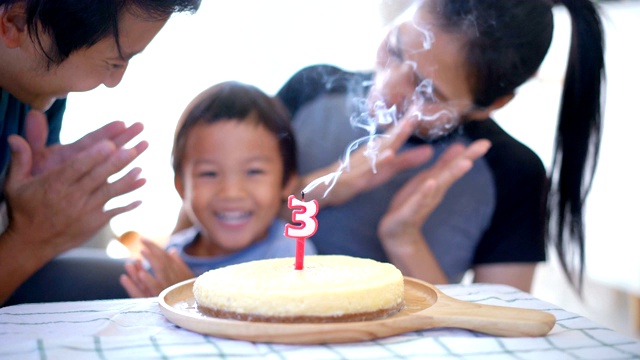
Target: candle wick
(302, 195)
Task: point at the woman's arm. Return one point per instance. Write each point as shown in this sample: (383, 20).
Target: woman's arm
(518, 275)
(414, 258)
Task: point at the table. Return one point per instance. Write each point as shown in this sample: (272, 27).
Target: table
(136, 328)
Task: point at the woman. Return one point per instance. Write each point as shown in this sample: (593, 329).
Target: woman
(440, 74)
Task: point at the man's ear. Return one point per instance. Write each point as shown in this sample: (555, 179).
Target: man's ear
(484, 113)
(13, 25)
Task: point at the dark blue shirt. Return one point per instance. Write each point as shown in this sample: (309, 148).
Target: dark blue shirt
(12, 116)
(274, 245)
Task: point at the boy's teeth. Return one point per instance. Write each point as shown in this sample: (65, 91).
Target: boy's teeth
(233, 216)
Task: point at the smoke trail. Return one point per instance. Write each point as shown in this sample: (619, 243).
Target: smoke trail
(436, 119)
(362, 119)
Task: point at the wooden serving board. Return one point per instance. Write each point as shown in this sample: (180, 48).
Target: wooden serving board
(426, 307)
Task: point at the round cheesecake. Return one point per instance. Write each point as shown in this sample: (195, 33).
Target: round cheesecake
(330, 288)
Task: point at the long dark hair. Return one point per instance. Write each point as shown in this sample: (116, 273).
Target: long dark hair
(74, 24)
(506, 43)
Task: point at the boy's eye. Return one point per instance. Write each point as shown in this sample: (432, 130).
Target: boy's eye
(255, 171)
(207, 174)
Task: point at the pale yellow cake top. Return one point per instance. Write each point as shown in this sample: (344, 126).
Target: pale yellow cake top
(329, 285)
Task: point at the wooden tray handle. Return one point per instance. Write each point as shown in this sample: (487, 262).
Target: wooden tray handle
(488, 319)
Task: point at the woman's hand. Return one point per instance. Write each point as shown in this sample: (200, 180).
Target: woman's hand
(360, 176)
(416, 200)
(400, 229)
(167, 267)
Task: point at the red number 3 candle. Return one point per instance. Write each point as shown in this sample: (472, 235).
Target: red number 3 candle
(305, 225)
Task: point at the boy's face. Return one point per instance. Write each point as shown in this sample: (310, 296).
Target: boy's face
(231, 183)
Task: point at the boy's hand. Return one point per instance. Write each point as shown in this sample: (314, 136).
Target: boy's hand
(167, 267)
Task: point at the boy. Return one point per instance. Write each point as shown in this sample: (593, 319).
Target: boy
(235, 163)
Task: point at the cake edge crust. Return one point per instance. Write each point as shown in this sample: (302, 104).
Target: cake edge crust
(351, 317)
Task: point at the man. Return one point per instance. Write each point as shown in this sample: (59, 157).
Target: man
(54, 195)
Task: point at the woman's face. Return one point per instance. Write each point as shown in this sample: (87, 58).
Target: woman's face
(422, 72)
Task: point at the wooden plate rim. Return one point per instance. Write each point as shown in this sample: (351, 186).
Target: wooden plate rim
(177, 304)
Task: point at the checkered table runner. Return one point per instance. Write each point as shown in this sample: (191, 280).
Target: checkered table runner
(135, 328)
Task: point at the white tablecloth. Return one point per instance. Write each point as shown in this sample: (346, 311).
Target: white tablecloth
(135, 328)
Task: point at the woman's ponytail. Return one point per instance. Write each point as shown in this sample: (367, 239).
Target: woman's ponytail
(578, 138)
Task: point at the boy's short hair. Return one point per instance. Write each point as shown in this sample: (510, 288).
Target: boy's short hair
(74, 24)
(237, 101)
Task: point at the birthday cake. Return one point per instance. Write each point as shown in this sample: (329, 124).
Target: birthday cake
(330, 288)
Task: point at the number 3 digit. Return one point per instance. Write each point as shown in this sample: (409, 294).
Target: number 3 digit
(304, 213)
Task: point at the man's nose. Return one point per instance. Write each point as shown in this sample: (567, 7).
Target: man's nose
(115, 77)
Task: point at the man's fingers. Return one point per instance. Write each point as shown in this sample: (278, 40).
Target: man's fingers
(21, 161)
(126, 184)
(36, 130)
(128, 134)
(86, 162)
(141, 147)
(116, 131)
(95, 181)
(111, 213)
(108, 132)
